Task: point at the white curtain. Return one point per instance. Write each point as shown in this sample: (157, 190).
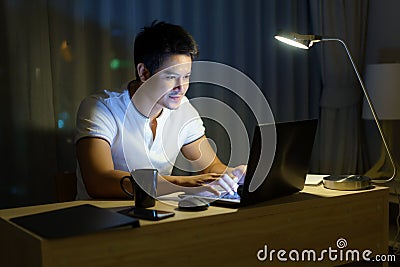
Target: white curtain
(55, 52)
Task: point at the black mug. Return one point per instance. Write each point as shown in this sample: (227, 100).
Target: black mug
(144, 187)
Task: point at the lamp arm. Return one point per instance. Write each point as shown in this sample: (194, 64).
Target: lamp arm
(371, 106)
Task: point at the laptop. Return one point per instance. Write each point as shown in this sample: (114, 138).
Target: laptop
(273, 175)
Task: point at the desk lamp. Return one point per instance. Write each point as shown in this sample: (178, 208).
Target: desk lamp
(341, 182)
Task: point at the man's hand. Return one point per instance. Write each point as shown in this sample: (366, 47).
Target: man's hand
(237, 173)
(231, 179)
(212, 182)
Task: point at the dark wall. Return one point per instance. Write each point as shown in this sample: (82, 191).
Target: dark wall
(383, 39)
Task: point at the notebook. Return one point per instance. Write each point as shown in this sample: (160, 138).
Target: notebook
(290, 163)
(77, 220)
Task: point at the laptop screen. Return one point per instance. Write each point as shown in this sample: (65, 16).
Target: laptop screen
(287, 173)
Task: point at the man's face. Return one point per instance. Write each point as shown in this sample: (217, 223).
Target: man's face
(173, 80)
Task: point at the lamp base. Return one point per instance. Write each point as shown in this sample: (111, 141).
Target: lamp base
(347, 182)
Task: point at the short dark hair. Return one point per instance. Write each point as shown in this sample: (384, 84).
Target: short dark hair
(159, 40)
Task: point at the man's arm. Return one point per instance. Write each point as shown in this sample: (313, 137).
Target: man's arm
(203, 158)
(103, 181)
(97, 169)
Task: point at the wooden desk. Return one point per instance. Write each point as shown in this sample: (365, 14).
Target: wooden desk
(313, 219)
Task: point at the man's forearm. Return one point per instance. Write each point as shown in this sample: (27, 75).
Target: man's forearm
(219, 168)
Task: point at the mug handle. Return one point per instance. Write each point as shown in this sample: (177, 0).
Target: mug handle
(121, 182)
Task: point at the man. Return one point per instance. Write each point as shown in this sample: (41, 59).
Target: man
(148, 124)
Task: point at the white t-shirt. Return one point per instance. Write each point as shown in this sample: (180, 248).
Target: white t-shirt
(113, 117)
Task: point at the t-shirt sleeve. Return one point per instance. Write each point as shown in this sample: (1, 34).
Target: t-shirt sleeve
(94, 119)
(193, 128)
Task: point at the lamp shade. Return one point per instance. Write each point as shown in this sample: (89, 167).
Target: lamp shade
(382, 82)
(297, 40)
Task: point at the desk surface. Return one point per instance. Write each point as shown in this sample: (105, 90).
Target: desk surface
(308, 193)
(288, 222)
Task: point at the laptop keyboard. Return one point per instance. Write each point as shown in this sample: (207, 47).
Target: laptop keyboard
(228, 196)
